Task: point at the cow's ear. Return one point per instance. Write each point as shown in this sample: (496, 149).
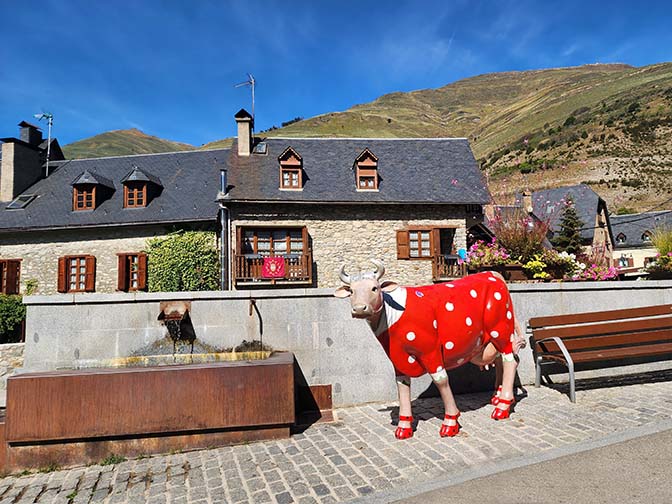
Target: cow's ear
(389, 286)
(343, 292)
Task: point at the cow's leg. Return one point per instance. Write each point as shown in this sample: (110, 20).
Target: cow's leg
(506, 399)
(405, 425)
(450, 426)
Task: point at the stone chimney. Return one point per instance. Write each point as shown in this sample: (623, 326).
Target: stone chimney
(30, 133)
(527, 201)
(21, 162)
(245, 124)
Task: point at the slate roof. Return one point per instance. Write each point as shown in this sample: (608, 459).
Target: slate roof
(633, 226)
(549, 204)
(138, 175)
(190, 184)
(411, 171)
(91, 177)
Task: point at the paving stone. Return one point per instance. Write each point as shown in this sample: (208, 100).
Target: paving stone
(284, 498)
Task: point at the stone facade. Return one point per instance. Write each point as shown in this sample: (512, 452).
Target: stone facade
(40, 250)
(20, 168)
(353, 234)
(11, 358)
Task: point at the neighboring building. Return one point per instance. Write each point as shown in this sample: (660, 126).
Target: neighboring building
(548, 205)
(299, 208)
(633, 234)
(85, 226)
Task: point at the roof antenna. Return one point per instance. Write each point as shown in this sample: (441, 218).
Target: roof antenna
(50, 121)
(249, 82)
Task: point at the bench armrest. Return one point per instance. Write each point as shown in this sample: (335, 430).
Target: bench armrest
(560, 344)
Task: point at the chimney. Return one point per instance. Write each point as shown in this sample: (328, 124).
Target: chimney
(527, 201)
(21, 162)
(30, 133)
(245, 124)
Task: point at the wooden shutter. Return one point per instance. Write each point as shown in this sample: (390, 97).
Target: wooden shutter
(403, 245)
(435, 241)
(142, 271)
(2, 285)
(239, 240)
(90, 276)
(12, 276)
(122, 273)
(62, 275)
(304, 238)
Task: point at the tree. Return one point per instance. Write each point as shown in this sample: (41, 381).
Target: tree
(568, 239)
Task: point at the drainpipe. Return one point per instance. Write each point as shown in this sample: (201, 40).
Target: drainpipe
(224, 277)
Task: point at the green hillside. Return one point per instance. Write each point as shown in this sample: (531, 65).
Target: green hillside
(121, 143)
(606, 125)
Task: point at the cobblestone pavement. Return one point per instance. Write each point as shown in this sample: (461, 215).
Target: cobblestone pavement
(358, 455)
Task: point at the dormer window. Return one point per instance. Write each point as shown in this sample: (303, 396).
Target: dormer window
(291, 170)
(139, 188)
(646, 237)
(89, 190)
(621, 238)
(366, 171)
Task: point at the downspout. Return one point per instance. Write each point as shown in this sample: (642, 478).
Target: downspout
(224, 277)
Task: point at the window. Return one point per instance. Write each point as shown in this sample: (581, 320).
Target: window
(135, 194)
(291, 169)
(84, 197)
(21, 201)
(267, 242)
(646, 237)
(474, 209)
(425, 243)
(621, 238)
(77, 274)
(10, 276)
(366, 167)
(132, 271)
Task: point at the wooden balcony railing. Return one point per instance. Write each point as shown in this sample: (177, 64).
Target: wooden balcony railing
(298, 270)
(445, 267)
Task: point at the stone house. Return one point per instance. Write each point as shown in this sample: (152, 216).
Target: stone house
(299, 208)
(633, 234)
(83, 227)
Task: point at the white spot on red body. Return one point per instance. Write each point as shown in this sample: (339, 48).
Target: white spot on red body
(419, 294)
(410, 336)
(450, 306)
(435, 324)
(411, 359)
(508, 315)
(450, 285)
(498, 296)
(492, 279)
(473, 293)
(468, 321)
(494, 334)
(449, 345)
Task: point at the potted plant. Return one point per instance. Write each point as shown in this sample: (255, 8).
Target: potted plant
(661, 267)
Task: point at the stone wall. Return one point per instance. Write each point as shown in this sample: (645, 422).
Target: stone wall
(330, 347)
(11, 358)
(40, 251)
(352, 234)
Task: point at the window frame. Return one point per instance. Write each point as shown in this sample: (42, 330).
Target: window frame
(254, 244)
(86, 195)
(366, 168)
(291, 170)
(9, 268)
(404, 241)
(135, 189)
(88, 273)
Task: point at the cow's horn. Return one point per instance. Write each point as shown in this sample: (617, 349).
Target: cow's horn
(380, 268)
(345, 278)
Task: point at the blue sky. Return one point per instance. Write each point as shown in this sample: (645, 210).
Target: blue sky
(169, 67)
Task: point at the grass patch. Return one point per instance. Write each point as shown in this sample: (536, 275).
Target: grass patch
(112, 459)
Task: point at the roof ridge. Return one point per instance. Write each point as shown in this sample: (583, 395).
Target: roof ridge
(150, 154)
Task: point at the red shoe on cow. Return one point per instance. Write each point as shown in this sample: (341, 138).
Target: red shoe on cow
(450, 430)
(494, 400)
(501, 413)
(404, 432)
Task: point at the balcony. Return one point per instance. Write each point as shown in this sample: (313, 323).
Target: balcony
(249, 270)
(447, 267)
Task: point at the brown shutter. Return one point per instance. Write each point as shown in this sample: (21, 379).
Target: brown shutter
(304, 238)
(2, 285)
(122, 274)
(142, 271)
(239, 240)
(13, 273)
(403, 246)
(90, 276)
(62, 275)
(436, 241)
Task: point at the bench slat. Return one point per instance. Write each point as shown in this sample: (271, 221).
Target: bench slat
(581, 318)
(578, 331)
(613, 340)
(615, 353)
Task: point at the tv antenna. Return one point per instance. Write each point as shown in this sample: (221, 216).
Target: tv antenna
(249, 82)
(50, 121)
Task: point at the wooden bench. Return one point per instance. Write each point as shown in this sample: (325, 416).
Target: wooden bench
(601, 339)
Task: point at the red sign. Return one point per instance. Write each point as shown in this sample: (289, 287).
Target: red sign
(274, 267)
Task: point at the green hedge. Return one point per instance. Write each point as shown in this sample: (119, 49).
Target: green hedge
(183, 261)
(12, 313)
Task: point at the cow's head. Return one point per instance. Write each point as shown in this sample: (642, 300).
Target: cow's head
(365, 290)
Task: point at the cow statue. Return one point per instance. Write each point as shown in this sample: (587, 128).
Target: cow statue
(435, 328)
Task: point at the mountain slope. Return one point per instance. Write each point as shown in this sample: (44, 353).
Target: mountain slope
(121, 143)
